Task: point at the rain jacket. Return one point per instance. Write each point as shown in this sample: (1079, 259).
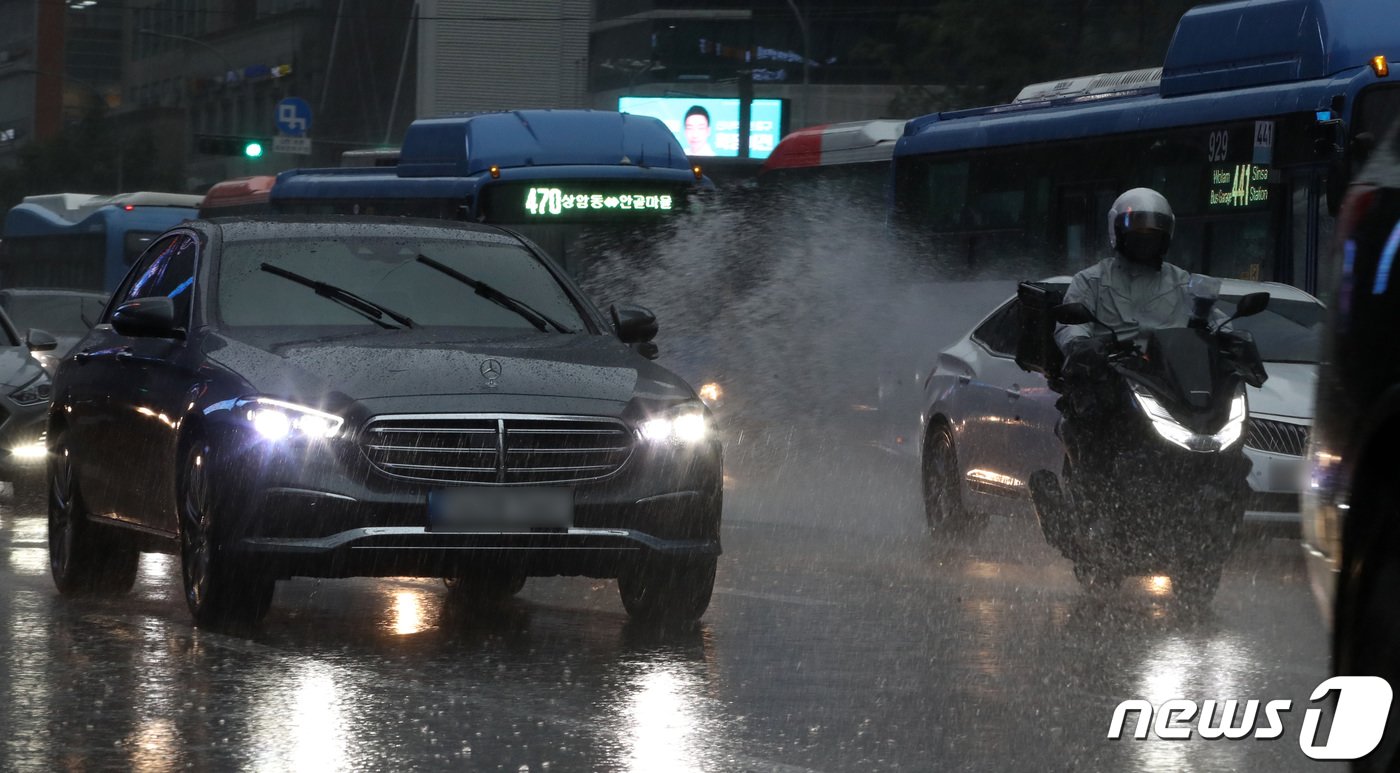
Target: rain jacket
(1129, 298)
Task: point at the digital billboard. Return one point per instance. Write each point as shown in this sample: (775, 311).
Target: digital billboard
(710, 127)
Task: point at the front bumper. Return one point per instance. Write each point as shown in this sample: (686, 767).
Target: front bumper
(1274, 485)
(323, 511)
(413, 551)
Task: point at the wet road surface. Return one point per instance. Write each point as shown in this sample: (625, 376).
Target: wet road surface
(841, 637)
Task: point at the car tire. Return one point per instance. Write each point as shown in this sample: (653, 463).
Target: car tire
(84, 557)
(475, 588)
(942, 483)
(218, 593)
(668, 590)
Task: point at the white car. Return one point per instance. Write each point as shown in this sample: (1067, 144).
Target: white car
(987, 424)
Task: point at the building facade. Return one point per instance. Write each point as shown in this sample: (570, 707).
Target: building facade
(199, 69)
(59, 61)
(502, 54)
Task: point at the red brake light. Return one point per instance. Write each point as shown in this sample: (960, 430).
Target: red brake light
(128, 207)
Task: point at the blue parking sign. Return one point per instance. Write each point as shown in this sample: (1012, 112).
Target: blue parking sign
(293, 117)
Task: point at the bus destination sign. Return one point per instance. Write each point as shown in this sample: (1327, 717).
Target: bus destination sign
(581, 201)
(552, 202)
(1238, 186)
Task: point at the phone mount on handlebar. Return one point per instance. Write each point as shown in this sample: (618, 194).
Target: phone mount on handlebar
(1204, 291)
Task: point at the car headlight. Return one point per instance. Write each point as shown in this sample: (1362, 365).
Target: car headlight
(47, 360)
(39, 390)
(276, 419)
(1168, 427)
(684, 424)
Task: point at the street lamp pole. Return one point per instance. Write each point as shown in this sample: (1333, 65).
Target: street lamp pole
(806, 58)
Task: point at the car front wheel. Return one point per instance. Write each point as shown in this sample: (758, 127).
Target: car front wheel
(943, 505)
(217, 592)
(671, 590)
(83, 556)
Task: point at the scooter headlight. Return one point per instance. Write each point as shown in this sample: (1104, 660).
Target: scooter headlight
(1171, 430)
(1234, 426)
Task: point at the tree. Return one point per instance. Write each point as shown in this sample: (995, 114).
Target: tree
(87, 157)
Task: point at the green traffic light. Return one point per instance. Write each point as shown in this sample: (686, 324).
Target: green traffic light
(253, 150)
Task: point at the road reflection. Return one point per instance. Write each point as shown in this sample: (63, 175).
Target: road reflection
(301, 718)
(826, 654)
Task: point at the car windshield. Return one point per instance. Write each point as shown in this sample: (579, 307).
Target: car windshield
(1287, 331)
(385, 271)
(60, 314)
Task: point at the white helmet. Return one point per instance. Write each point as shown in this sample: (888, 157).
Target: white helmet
(1140, 226)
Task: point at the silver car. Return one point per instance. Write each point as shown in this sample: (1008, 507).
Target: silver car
(987, 424)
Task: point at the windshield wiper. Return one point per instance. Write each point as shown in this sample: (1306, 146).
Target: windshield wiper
(536, 318)
(372, 310)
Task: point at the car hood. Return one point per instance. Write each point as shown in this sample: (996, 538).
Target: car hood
(406, 363)
(66, 343)
(1287, 392)
(17, 366)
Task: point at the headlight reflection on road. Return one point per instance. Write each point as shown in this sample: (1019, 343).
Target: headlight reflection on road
(408, 617)
(661, 719)
(155, 568)
(1196, 667)
(154, 747)
(29, 551)
(302, 720)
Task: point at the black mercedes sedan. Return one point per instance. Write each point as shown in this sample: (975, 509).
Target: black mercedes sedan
(324, 397)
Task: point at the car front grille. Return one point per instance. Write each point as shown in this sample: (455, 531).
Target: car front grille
(505, 449)
(1277, 437)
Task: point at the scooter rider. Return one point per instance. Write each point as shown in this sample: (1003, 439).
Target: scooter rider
(1133, 291)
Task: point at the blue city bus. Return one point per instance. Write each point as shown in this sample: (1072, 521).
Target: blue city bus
(1250, 128)
(84, 241)
(549, 174)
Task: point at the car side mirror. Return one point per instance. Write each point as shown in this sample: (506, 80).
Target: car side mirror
(634, 324)
(146, 318)
(40, 340)
(1251, 304)
(1073, 314)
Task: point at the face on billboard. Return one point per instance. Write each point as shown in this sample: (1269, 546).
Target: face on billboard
(710, 127)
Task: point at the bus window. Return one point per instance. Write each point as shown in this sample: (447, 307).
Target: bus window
(135, 243)
(1242, 247)
(946, 191)
(1377, 110)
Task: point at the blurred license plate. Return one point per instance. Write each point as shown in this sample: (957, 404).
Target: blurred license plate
(1284, 475)
(500, 509)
